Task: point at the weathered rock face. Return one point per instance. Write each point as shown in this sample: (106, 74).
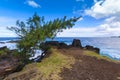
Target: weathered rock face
(97, 50)
(8, 65)
(76, 43)
(88, 47)
(52, 43)
(63, 45)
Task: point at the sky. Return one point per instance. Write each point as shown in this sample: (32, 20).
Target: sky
(100, 18)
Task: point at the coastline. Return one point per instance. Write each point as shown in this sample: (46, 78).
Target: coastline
(62, 59)
(72, 63)
(108, 46)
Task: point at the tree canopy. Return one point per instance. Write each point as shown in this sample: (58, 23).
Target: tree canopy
(36, 30)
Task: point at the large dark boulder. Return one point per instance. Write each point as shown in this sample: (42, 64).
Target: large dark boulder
(88, 47)
(63, 45)
(52, 43)
(46, 45)
(76, 43)
(97, 50)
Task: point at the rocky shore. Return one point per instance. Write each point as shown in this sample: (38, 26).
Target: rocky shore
(85, 67)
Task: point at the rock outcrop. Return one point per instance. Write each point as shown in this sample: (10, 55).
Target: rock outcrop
(3, 48)
(76, 43)
(95, 49)
(54, 43)
(8, 62)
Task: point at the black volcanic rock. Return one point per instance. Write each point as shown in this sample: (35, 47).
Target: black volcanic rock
(52, 43)
(76, 43)
(88, 47)
(97, 50)
(63, 45)
(3, 48)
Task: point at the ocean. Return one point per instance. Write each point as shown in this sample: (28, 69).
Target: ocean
(109, 47)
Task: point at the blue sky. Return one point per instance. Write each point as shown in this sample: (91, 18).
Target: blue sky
(99, 17)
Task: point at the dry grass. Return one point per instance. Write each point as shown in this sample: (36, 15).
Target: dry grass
(48, 69)
(51, 66)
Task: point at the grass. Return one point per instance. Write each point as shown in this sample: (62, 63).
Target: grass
(48, 69)
(4, 51)
(93, 54)
(51, 66)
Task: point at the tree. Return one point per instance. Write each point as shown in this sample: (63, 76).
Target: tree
(36, 30)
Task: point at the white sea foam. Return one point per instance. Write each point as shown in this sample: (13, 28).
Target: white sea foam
(37, 52)
(10, 46)
(112, 54)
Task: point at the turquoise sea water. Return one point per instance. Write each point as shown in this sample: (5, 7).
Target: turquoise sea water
(108, 46)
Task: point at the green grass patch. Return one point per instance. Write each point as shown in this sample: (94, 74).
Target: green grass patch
(93, 54)
(2, 52)
(48, 69)
(51, 66)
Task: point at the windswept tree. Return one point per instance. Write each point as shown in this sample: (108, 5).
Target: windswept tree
(36, 30)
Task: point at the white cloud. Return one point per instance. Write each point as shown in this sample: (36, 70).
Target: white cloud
(111, 26)
(108, 10)
(103, 30)
(4, 32)
(104, 8)
(7, 21)
(4, 23)
(79, 32)
(33, 4)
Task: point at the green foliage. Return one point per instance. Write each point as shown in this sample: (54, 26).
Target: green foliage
(48, 69)
(36, 30)
(4, 51)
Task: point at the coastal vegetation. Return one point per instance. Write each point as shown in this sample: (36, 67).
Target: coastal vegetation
(60, 62)
(69, 64)
(49, 68)
(35, 31)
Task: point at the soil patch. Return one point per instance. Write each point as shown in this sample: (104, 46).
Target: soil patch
(89, 68)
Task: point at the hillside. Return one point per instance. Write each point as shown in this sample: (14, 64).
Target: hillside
(70, 64)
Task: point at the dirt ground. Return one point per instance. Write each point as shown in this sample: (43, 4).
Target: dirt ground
(89, 68)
